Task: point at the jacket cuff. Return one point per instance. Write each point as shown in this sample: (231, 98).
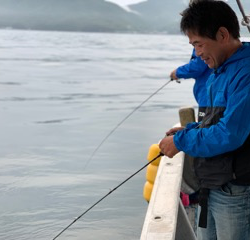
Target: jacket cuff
(176, 142)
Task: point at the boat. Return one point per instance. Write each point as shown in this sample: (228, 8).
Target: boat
(166, 217)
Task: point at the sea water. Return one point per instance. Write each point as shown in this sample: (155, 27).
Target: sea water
(61, 94)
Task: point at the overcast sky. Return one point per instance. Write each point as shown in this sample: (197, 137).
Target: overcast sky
(125, 2)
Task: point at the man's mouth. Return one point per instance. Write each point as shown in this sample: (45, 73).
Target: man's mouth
(205, 60)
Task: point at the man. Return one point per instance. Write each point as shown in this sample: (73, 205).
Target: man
(197, 69)
(221, 144)
(200, 72)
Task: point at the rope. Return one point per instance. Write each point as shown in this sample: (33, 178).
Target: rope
(246, 19)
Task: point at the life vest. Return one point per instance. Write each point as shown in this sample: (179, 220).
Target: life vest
(213, 172)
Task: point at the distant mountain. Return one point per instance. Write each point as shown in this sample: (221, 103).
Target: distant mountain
(67, 15)
(161, 15)
(96, 15)
(164, 15)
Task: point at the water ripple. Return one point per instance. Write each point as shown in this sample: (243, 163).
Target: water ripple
(56, 120)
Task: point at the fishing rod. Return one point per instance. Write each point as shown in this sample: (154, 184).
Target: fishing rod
(119, 185)
(102, 142)
(124, 119)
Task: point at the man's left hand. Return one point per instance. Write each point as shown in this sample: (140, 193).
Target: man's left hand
(168, 147)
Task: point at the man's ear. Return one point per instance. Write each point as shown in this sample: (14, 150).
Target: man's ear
(222, 35)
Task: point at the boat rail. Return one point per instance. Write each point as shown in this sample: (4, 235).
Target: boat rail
(166, 218)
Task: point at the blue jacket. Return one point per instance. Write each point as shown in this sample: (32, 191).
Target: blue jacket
(221, 144)
(228, 87)
(197, 69)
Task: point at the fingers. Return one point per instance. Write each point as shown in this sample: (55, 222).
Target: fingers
(172, 131)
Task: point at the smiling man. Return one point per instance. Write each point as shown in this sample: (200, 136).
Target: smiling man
(221, 142)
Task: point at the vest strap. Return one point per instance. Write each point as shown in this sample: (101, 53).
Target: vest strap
(203, 199)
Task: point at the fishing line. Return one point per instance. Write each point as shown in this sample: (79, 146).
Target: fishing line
(121, 122)
(101, 143)
(161, 154)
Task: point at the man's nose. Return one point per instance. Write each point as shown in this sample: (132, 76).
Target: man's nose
(198, 52)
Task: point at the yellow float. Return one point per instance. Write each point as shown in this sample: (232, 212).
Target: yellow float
(152, 168)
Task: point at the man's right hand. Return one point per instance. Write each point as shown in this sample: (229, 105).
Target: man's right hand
(173, 75)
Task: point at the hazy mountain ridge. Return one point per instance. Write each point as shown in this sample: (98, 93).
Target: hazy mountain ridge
(73, 15)
(161, 15)
(83, 15)
(95, 15)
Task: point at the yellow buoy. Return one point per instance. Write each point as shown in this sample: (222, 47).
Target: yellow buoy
(147, 191)
(153, 152)
(151, 173)
(152, 168)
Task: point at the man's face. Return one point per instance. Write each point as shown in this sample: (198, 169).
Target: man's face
(210, 51)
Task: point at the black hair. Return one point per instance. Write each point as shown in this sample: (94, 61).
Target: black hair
(207, 16)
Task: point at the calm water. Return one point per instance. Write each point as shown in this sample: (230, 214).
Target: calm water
(61, 94)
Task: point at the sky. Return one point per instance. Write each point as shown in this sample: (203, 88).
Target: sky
(125, 2)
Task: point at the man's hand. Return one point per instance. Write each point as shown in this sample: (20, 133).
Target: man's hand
(172, 131)
(173, 75)
(168, 147)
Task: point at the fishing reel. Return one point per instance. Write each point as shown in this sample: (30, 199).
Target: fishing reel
(177, 80)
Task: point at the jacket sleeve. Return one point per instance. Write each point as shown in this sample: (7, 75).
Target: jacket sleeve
(193, 69)
(229, 133)
(192, 125)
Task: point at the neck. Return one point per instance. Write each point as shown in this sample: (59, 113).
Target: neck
(233, 46)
